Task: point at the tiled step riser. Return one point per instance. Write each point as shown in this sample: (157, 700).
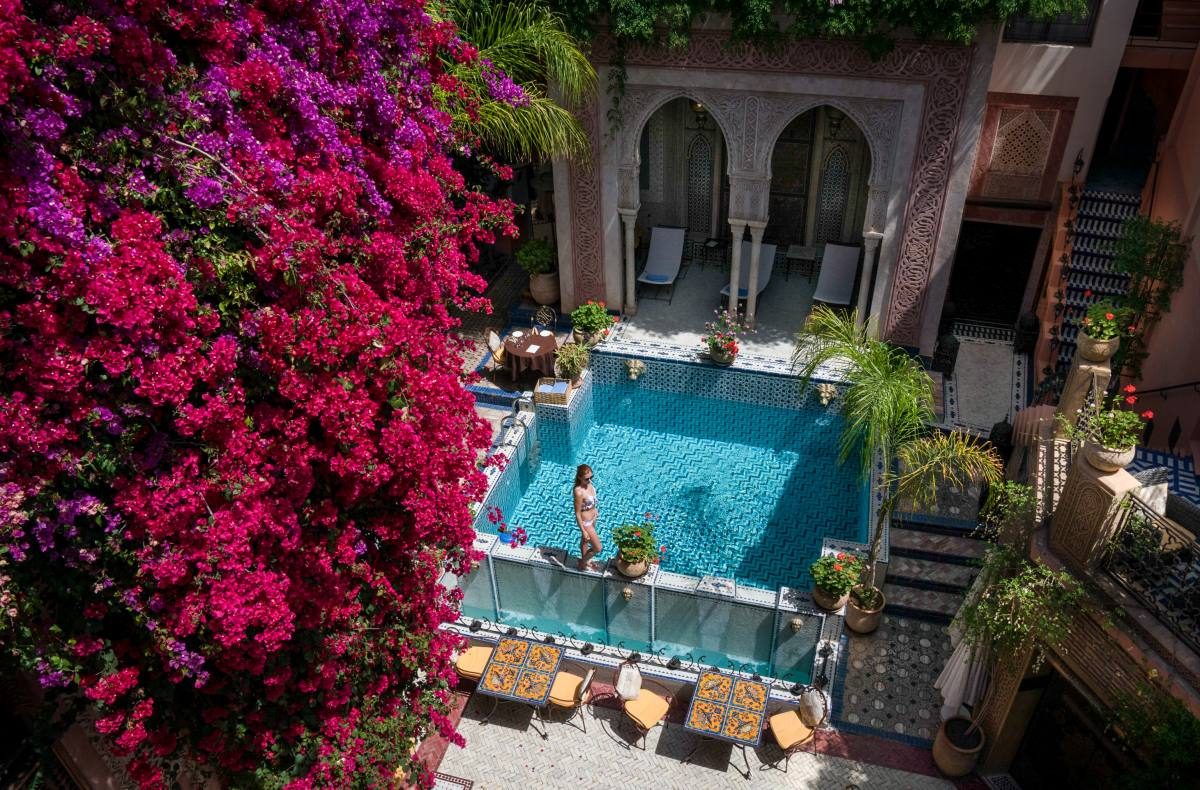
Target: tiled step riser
(932, 602)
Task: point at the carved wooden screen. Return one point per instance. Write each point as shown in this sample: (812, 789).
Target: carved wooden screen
(790, 181)
(700, 184)
(834, 195)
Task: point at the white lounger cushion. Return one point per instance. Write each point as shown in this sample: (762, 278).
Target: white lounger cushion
(838, 267)
(665, 256)
(766, 262)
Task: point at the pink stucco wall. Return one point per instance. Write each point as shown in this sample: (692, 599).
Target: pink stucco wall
(1174, 346)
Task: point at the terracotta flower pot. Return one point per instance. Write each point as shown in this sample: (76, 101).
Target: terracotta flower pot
(576, 380)
(830, 602)
(588, 339)
(864, 621)
(957, 759)
(544, 288)
(720, 356)
(1107, 459)
(632, 569)
(1094, 350)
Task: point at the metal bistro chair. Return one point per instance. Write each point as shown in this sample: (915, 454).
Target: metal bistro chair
(571, 692)
(649, 708)
(471, 662)
(499, 358)
(795, 727)
(544, 318)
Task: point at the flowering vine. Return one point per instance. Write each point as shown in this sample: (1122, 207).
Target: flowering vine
(235, 452)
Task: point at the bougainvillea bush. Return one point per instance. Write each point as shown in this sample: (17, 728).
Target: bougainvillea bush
(235, 450)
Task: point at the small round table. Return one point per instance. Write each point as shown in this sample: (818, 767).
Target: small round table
(531, 350)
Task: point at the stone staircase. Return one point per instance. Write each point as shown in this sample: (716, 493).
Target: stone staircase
(931, 568)
(1089, 276)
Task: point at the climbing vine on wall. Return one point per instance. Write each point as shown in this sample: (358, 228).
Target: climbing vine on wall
(1153, 254)
(874, 22)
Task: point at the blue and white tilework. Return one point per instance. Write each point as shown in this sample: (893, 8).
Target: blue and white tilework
(1182, 480)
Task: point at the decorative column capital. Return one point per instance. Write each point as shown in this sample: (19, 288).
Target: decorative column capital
(872, 239)
(629, 214)
(757, 229)
(739, 225)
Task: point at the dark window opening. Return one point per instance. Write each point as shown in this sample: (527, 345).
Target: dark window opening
(1062, 29)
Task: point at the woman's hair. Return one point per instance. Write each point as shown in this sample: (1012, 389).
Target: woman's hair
(580, 472)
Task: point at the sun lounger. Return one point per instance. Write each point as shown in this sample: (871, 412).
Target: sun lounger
(835, 285)
(664, 258)
(766, 263)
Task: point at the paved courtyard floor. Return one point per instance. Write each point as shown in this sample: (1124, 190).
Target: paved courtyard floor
(507, 752)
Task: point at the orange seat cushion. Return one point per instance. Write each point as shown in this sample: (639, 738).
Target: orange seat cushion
(470, 662)
(647, 710)
(788, 730)
(565, 691)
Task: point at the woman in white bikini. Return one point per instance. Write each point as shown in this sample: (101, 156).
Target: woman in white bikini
(586, 513)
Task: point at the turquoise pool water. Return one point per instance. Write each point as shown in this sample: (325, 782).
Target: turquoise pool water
(739, 491)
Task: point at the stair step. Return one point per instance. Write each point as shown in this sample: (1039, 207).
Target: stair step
(941, 605)
(916, 572)
(905, 541)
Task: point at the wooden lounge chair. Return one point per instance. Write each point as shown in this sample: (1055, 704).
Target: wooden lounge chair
(835, 284)
(664, 258)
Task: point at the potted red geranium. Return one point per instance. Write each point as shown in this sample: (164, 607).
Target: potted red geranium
(834, 575)
(722, 338)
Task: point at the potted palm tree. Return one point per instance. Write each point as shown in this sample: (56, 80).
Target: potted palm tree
(888, 410)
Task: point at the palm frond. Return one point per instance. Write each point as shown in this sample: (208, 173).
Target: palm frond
(938, 459)
(541, 128)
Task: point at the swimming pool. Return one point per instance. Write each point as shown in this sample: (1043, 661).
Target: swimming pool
(738, 490)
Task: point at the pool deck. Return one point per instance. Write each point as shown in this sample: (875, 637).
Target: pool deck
(507, 752)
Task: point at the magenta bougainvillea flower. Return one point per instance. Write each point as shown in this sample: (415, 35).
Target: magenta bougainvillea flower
(235, 452)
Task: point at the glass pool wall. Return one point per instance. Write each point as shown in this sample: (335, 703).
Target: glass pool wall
(703, 619)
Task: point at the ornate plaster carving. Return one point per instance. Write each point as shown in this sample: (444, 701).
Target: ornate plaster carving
(586, 230)
(1081, 518)
(751, 123)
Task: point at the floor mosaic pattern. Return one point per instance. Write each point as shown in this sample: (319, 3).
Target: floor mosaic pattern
(886, 684)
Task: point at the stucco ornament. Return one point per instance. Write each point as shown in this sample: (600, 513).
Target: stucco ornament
(826, 392)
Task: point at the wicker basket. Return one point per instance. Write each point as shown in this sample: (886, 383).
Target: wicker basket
(551, 398)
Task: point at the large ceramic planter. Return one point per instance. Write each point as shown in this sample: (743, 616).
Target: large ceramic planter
(721, 357)
(632, 569)
(588, 339)
(957, 758)
(1106, 459)
(864, 621)
(544, 288)
(830, 602)
(1094, 350)
(576, 380)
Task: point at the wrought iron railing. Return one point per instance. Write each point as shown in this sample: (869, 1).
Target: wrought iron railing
(1158, 562)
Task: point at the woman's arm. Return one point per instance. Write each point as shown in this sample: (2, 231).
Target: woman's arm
(578, 508)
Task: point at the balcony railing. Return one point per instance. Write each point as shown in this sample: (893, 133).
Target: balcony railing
(1158, 562)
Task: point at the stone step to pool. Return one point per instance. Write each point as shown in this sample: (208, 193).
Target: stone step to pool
(922, 604)
(907, 541)
(931, 574)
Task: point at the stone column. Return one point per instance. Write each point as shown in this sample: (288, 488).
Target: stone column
(1085, 378)
(738, 230)
(1088, 512)
(629, 220)
(756, 236)
(871, 240)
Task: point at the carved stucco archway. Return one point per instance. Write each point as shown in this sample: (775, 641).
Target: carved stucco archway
(941, 86)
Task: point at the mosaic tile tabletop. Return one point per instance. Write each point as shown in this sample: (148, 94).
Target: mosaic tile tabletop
(728, 708)
(521, 670)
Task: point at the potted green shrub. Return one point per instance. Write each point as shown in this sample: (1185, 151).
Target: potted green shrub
(887, 406)
(590, 323)
(1021, 605)
(636, 548)
(536, 257)
(572, 360)
(1101, 331)
(833, 577)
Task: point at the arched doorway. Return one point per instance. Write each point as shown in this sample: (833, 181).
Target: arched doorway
(820, 167)
(681, 175)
